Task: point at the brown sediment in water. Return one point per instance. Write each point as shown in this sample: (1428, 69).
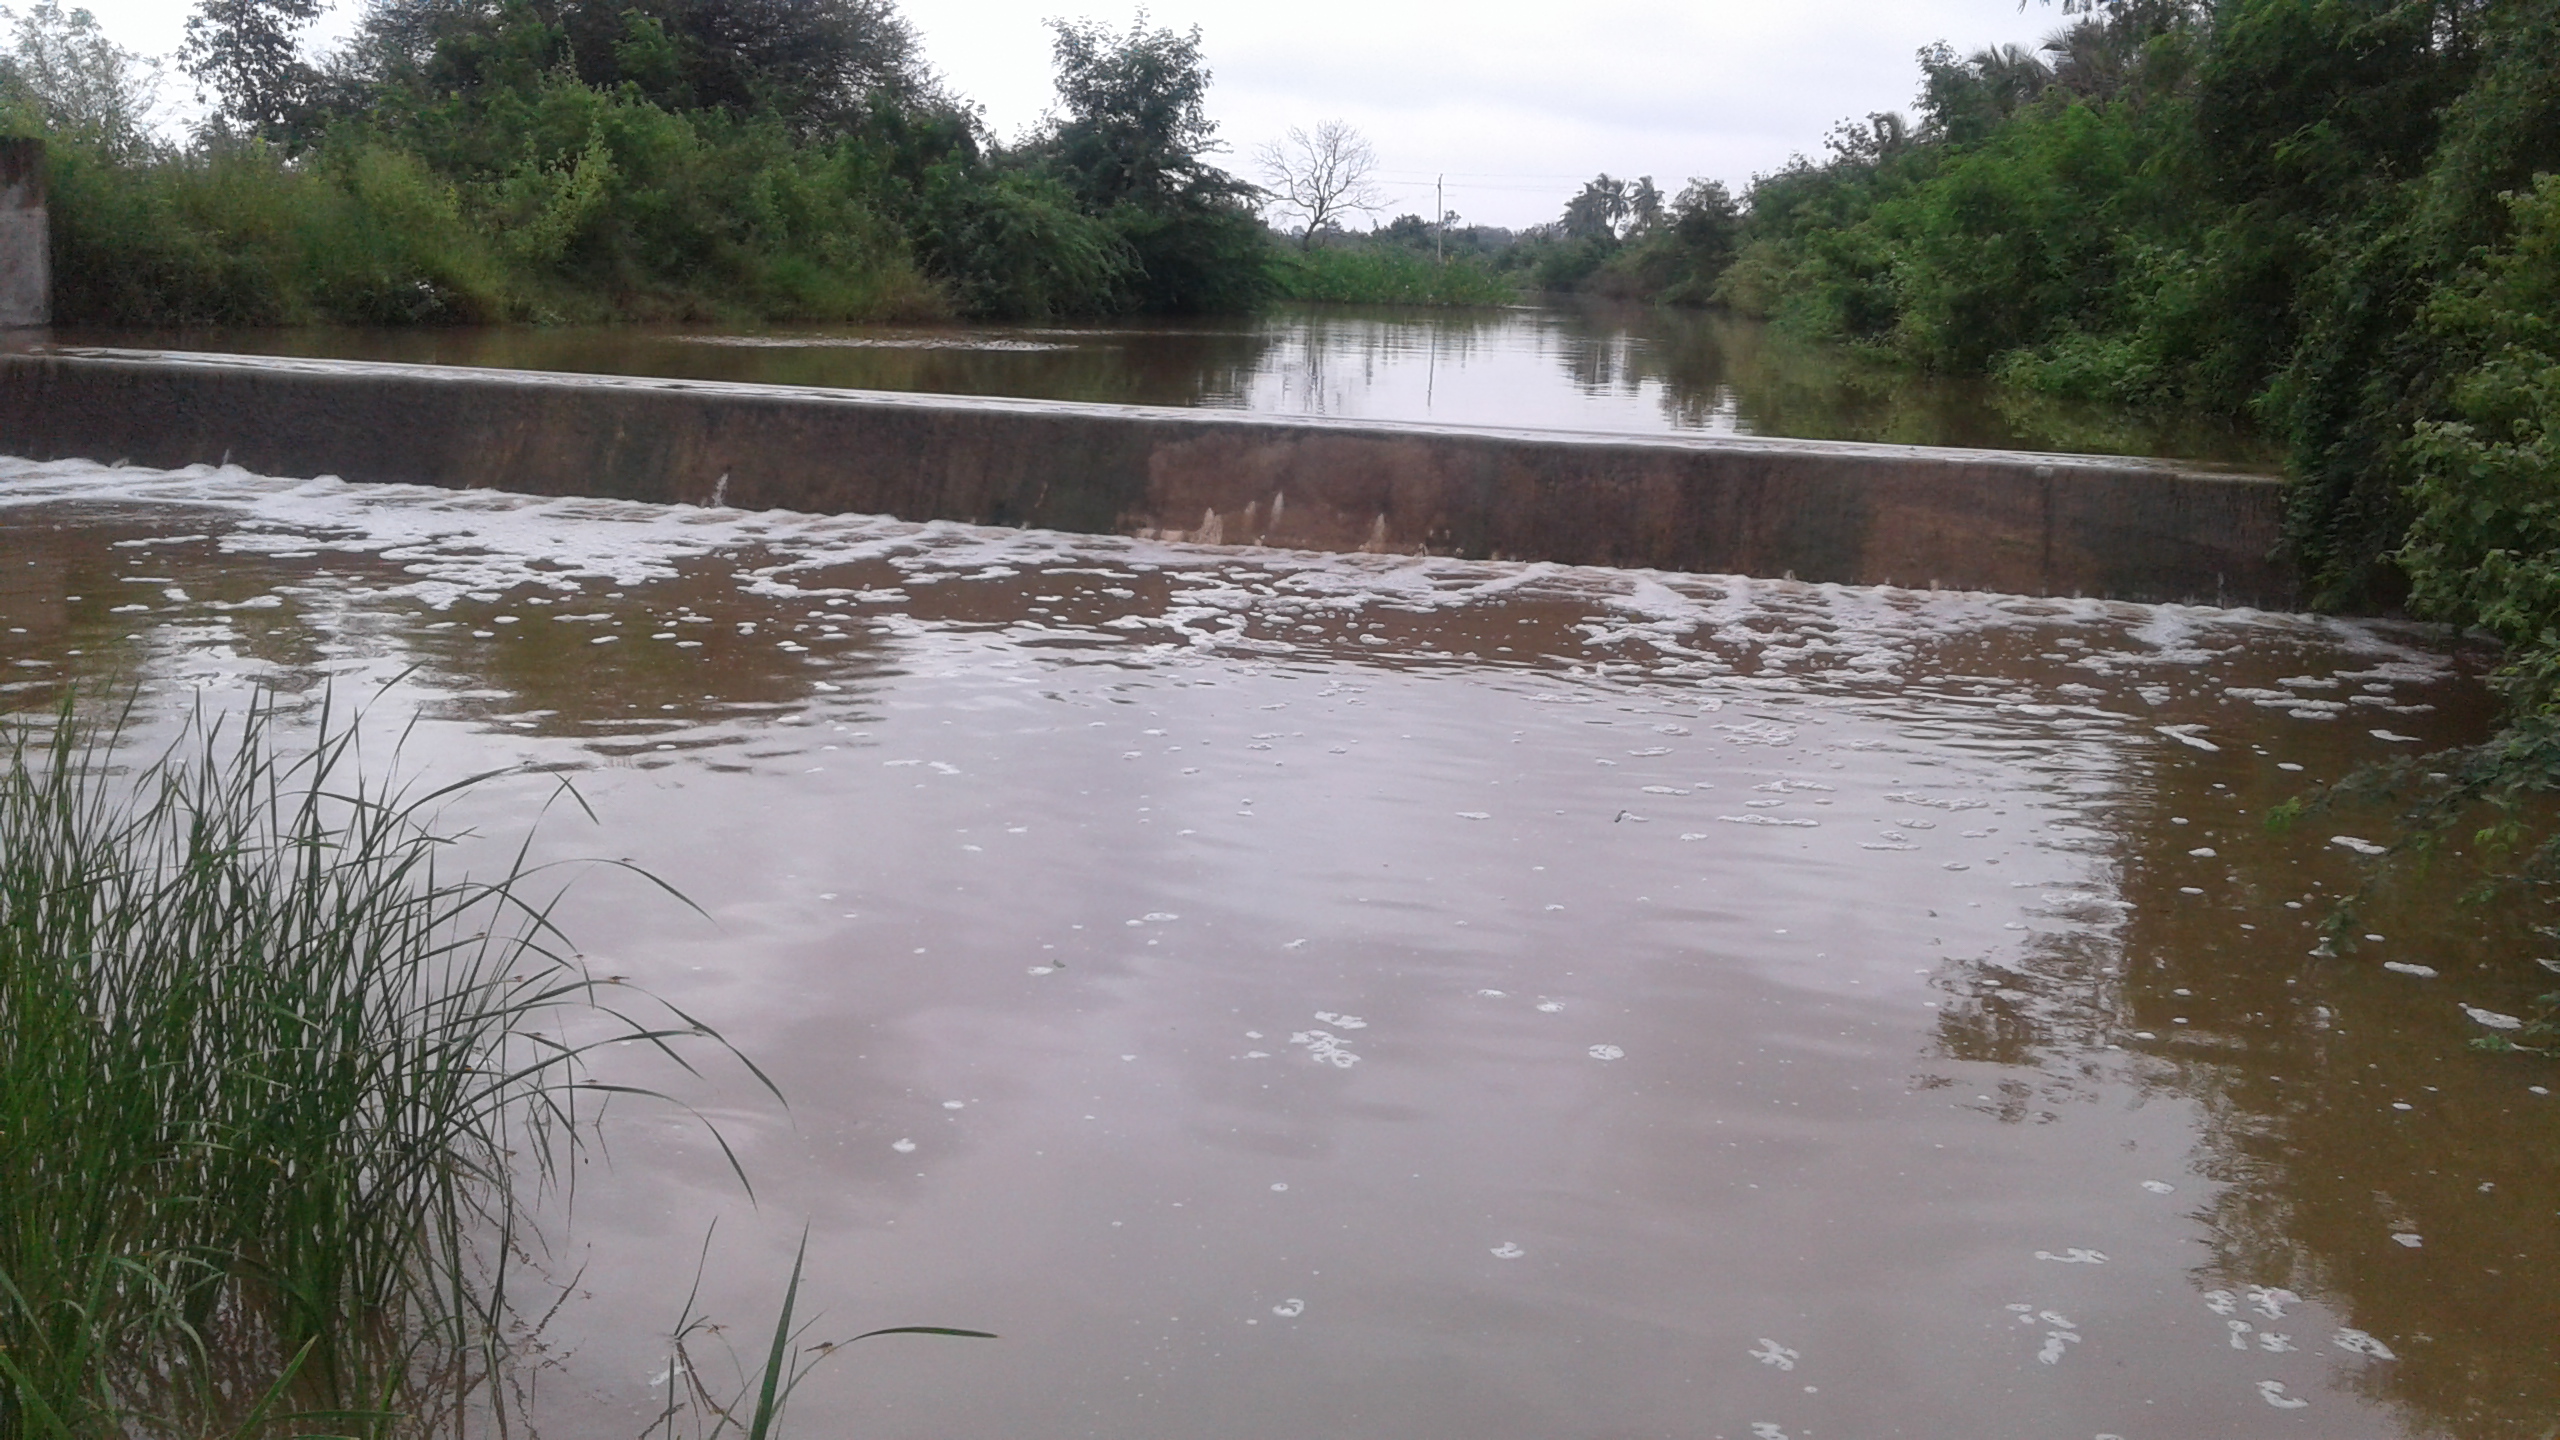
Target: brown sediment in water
(1672, 1004)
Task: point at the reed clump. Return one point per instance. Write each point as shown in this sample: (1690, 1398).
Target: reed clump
(1385, 274)
(272, 1084)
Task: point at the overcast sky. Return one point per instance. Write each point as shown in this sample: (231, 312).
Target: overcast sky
(1515, 103)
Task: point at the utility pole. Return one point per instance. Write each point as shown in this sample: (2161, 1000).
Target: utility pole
(1439, 217)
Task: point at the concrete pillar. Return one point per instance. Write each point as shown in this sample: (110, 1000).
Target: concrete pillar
(26, 249)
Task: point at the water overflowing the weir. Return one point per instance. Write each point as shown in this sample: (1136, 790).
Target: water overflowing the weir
(1623, 369)
(1293, 994)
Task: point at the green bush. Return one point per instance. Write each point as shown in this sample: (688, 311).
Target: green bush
(1194, 256)
(2484, 543)
(1014, 246)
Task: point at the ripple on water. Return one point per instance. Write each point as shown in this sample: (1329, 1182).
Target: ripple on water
(1083, 712)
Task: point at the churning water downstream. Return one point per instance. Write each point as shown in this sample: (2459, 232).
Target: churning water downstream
(1299, 995)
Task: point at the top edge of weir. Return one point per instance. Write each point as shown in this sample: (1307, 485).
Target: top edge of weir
(2044, 461)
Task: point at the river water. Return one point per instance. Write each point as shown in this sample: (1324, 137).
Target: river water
(1592, 367)
(1327, 995)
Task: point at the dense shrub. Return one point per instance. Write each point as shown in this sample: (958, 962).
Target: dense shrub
(677, 159)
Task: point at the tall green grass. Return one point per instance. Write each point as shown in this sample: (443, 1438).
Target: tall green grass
(1389, 275)
(751, 1409)
(272, 1081)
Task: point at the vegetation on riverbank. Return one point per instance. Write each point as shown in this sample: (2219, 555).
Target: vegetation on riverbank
(579, 159)
(272, 1083)
(2339, 219)
(1375, 272)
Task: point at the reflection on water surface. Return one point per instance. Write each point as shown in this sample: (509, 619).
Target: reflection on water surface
(1605, 368)
(1289, 994)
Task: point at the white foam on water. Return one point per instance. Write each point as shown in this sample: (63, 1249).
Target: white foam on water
(1326, 1048)
(450, 543)
(2357, 1342)
(1769, 1352)
(2187, 735)
(1508, 1251)
(2493, 1019)
(1938, 803)
(2273, 1392)
(2357, 844)
(1290, 1309)
(1607, 1052)
(2268, 1302)
(2403, 967)
(2159, 1187)
(2075, 1255)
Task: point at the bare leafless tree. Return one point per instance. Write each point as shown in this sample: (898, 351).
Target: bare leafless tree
(1323, 176)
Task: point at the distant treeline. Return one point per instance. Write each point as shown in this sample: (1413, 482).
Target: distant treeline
(482, 160)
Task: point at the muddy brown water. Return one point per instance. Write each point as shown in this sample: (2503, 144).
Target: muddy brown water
(1621, 369)
(1313, 995)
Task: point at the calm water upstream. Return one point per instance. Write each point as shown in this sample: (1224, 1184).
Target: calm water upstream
(1292, 995)
(1587, 368)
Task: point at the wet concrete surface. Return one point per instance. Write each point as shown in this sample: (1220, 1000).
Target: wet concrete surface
(2118, 528)
(1292, 994)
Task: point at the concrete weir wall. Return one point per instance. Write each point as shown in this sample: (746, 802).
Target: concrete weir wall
(26, 245)
(1817, 511)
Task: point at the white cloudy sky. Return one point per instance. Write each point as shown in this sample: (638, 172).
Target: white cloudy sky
(1515, 103)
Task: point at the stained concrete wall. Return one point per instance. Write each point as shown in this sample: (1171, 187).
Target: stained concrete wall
(26, 247)
(1859, 514)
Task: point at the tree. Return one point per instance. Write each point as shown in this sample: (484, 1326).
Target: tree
(1610, 209)
(1706, 221)
(1965, 100)
(822, 67)
(1136, 127)
(818, 64)
(1132, 147)
(1323, 176)
(246, 53)
(62, 75)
